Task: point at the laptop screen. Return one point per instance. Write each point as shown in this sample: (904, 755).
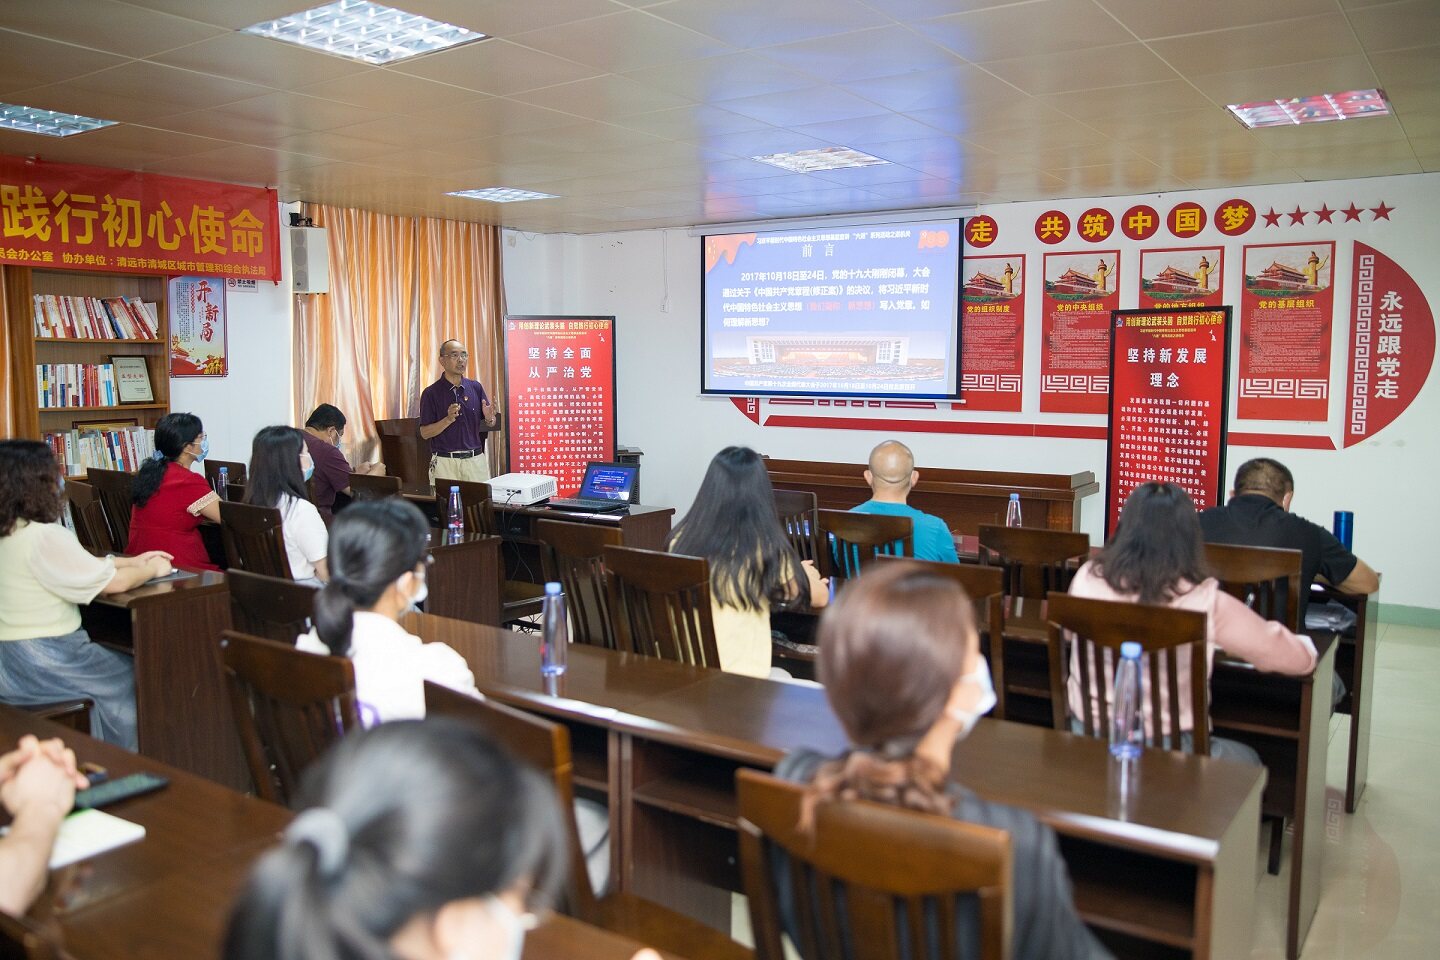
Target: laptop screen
(609, 481)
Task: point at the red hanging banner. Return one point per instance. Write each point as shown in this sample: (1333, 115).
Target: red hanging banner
(1169, 384)
(992, 333)
(1285, 322)
(560, 392)
(71, 217)
(1392, 343)
(1080, 291)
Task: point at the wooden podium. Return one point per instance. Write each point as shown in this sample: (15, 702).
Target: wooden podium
(964, 499)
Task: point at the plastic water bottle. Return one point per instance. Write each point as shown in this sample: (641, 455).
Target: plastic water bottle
(223, 483)
(1012, 511)
(554, 633)
(1127, 722)
(455, 523)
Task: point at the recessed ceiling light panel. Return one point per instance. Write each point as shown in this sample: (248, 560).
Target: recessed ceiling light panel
(501, 194)
(825, 158)
(365, 31)
(1320, 108)
(47, 122)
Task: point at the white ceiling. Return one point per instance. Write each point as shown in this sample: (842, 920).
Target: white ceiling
(644, 113)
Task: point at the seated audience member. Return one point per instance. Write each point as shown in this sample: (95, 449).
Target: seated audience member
(1258, 515)
(1157, 557)
(279, 467)
(733, 524)
(45, 654)
(891, 476)
(377, 573)
(323, 432)
(37, 788)
(171, 500)
(901, 664)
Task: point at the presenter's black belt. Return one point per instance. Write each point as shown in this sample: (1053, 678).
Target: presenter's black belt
(462, 454)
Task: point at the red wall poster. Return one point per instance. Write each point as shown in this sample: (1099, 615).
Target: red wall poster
(1285, 321)
(1181, 279)
(1392, 343)
(560, 392)
(1080, 292)
(1167, 404)
(992, 333)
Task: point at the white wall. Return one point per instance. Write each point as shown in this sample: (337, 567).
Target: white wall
(650, 280)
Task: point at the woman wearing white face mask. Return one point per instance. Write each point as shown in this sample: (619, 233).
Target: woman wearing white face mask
(901, 665)
(279, 466)
(377, 573)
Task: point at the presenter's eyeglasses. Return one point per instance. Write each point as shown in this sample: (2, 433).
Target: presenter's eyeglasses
(457, 355)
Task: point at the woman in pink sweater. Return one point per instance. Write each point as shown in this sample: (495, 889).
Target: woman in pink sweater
(1157, 556)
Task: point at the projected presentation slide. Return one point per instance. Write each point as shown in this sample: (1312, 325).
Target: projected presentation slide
(840, 311)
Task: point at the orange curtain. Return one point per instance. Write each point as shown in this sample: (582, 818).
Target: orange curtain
(399, 287)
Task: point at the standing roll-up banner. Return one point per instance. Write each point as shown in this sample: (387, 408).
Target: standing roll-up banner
(560, 395)
(1169, 388)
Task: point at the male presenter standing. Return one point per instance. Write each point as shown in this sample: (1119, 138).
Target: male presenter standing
(451, 412)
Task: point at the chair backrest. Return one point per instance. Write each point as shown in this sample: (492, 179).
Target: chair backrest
(406, 454)
(364, 486)
(542, 744)
(88, 515)
(870, 881)
(1168, 638)
(1035, 560)
(289, 707)
(235, 472)
(254, 539)
(20, 939)
(849, 541)
(270, 607)
(797, 515)
(116, 490)
(476, 508)
(576, 559)
(1265, 578)
(660, 605)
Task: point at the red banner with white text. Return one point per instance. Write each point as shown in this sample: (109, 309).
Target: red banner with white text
(992, 333)
(1286, 312)
(1392, 343)
(1080, 291)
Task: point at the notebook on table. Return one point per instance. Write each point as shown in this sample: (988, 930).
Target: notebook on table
(606, 488)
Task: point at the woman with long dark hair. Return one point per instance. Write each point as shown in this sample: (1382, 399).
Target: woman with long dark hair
(280, 464)
(172, 500)
(901, 664)
(733, 525)
(377, 574)
(45, 654)
(1157, 557)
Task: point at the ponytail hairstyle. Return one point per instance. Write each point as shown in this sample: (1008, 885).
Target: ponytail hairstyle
(173, 434)
(396, 822)
(29, 484)
(372, 543)
(275, 467)
(893, 645)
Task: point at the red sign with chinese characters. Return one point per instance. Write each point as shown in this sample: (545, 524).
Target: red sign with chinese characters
(992, 333)
(560, 388)
(1285, 323)
(66, 216)
(1167, 404)
(1181, 279)
(1392, 343)
(1080, 292)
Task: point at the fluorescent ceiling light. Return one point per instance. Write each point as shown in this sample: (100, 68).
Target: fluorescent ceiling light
(365, 31)
(825, 158)
(1317, 109)
(47, 122)
(501, 194)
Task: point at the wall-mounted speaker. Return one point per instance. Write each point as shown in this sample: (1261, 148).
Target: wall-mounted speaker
(309, 259)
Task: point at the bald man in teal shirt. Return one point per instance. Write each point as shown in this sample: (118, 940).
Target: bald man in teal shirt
(891, 476)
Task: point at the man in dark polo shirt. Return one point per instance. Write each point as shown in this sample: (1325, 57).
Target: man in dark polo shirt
(452, 412)
(323, 432)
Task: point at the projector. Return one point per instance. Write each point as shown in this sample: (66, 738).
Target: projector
(521, 489)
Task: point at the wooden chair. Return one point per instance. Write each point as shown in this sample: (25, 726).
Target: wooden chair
(545, 745)
(797, 515)
(660, 605)
(405, 453)
(235, 472)
(88, 515)
(269, 607)
(21, 939)
(116, 491)
(254, 540)
(363, 486)
(1264, 578)
(1035, 560)
(74, 714)
(289, 706)
(870, 881)
(850, 541)
(1168, 637)
(576, 559)
(477, 511)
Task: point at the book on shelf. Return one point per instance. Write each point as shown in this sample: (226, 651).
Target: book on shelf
(94, 318)
(116, 448)
(75, 385)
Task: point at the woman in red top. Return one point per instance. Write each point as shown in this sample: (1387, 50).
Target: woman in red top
(171, 500)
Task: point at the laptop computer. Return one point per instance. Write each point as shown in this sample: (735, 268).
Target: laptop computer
(606, 488)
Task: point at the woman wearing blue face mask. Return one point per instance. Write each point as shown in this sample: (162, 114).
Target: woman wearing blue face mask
(279, 466)
(170, 499)
(377, 574)
(901, 664)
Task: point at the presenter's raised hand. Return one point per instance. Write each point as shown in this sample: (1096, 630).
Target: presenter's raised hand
(454, 412)
(487, 409)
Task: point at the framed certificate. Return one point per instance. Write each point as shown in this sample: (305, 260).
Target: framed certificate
(132, 380)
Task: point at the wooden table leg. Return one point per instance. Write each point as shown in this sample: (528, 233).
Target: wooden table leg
(1362, 682)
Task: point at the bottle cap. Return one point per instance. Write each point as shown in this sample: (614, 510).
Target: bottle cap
(1130, 650)
(1014, 496)
(454, 489)
(552, 588)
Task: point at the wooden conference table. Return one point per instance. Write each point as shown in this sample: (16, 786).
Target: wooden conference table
(1170, 871)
